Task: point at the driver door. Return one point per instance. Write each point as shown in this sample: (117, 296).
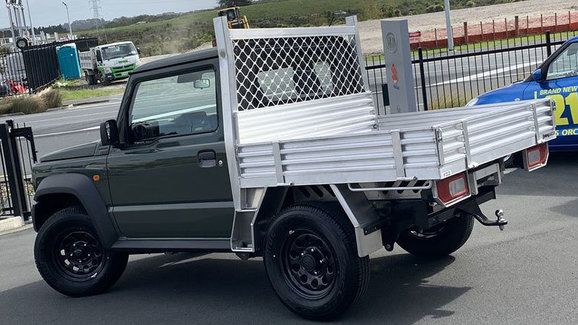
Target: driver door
(169, 179)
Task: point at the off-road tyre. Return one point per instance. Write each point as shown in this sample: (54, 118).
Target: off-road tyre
(71, 258)
(305, 239)
(439, 241)
(90, 79)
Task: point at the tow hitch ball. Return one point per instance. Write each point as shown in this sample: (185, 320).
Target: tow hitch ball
(500, 221)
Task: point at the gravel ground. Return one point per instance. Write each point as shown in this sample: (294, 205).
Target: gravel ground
(370, 31)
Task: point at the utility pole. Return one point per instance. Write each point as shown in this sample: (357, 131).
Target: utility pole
(9, 7)
(449, 29)
(31, 24)
(95, 8)
(69, 24)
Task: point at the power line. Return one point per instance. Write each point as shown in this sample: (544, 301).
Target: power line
(95, 8)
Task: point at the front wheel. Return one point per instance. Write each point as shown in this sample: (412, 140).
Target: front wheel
(439, 241)
(71, 258)
(311, 260)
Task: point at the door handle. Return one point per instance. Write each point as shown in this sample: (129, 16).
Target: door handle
(207, 159)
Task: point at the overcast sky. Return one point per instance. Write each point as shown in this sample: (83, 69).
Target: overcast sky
(52, 12)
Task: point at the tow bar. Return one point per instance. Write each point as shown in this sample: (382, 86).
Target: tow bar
(485, 221)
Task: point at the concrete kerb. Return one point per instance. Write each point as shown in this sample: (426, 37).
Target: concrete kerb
(12, 224)
(81, 102)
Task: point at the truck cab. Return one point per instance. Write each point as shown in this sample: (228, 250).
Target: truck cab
(110, 62)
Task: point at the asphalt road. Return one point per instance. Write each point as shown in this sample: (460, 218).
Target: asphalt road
(527, 274)
(68, 127)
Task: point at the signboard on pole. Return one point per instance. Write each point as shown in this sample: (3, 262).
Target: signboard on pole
(397, 55)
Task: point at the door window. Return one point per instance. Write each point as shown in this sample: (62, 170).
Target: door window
(565, 65)
(182, 104)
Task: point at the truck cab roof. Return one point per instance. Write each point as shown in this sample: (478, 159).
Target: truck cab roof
(113, 44)
(178, 59)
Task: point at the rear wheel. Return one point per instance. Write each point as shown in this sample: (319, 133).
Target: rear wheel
(90, 79)
(439, 241)
(312, 262)
(71, 258)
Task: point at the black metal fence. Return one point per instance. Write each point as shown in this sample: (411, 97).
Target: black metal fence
(17, 155)
(41, 62)
(12, 73)
(450, 79)
(34, 67)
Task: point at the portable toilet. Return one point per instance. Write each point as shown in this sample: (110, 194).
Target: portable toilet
(68, 61)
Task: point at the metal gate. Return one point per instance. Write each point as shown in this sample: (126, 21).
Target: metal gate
(41, 62)
(17, 155)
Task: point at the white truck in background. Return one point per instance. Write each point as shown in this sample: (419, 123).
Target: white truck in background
(110, 62)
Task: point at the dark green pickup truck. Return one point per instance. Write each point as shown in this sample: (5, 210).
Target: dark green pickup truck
(269, 146)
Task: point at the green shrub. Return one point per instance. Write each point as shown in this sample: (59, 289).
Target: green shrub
(32, 104)
(5, 107)
(52, 98)
(371, 9)
(28, 105)
(435, 8)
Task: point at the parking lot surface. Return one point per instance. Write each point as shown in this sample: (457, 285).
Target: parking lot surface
(527, 274)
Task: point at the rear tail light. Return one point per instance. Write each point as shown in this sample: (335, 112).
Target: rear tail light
(536, 157)
(452, 189)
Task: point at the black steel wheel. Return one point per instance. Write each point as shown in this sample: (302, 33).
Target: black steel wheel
(311, 260)
(439, 241)
(71, 258)
(79, 255)
(309, 263)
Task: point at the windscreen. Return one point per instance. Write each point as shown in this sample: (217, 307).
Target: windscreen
(118, 51)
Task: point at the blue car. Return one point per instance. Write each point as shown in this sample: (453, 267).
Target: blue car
(557, 79)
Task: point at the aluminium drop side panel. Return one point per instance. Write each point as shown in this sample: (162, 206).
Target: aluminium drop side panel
(372, 157)
(497, 133)
(350, 114)
(441, 116)
(421, 150)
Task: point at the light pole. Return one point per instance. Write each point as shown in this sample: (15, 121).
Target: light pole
(69, 24)
(31, 25)
(450, 32)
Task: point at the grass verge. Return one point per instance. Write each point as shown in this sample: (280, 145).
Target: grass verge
(72, 94)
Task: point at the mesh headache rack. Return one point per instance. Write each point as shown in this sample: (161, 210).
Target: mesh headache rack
(294, 83)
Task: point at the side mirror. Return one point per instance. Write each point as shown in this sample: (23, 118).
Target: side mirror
(98, 56)
(538, 75)
(109, 133)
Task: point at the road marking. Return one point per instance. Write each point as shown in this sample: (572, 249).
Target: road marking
(487, 73)
(79, 117)
(94, 128)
